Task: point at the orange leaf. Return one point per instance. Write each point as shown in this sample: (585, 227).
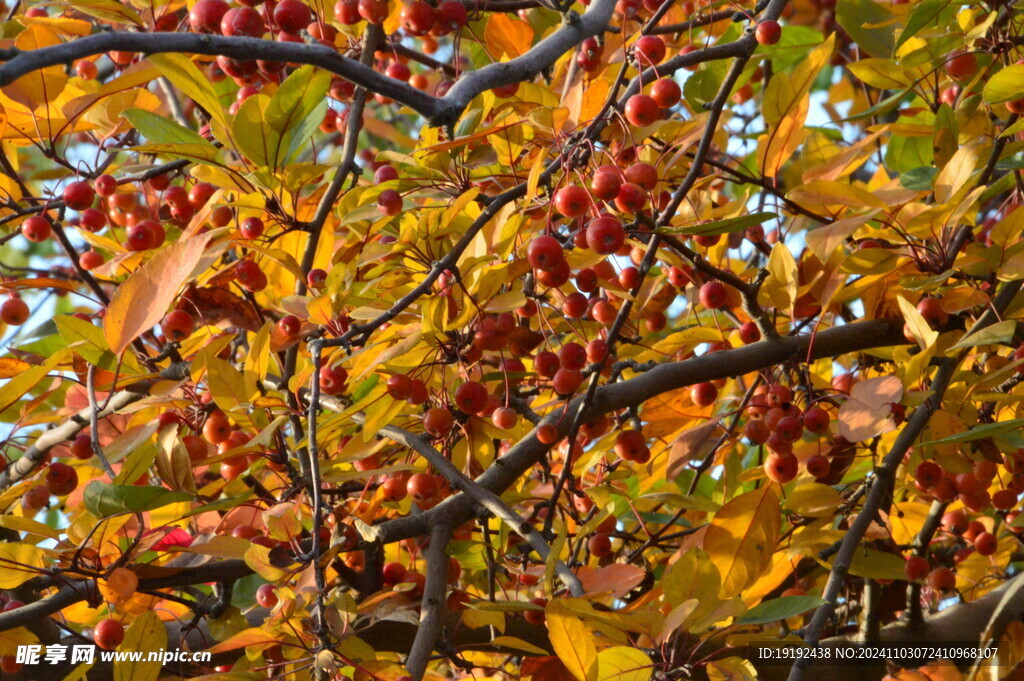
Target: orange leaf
(687, 445)
(142, 300)
(40, 282)
(543, 669)
(617, 579)
(214, 305)
(505, 35)
(742, 538)
(245, 639)
(11, 367)
(866, 413)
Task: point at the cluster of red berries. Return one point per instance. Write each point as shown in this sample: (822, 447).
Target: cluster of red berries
(961, 537)
(971, 487)
(775, 421)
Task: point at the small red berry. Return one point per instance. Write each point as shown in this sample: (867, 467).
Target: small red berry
(768, 32)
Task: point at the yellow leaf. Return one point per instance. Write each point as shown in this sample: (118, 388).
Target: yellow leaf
(907, 520)
(830, 194)
(517, 644)
(875, 564)
(283, 521)
(146, 634)
(187, 77)
(867, 412)
(954, 175)
(475, 619)
(593, 99)
(23, 524)
(742, 538)
(458, 207)
(226, 384)
(110, 10)
(12, 638)
(62, 25)
(781, 286)
(38, 88)
(880, 73)
(572, 641)
(258, 558)
(19, 563)
(173, 463)
(845, 162)
(825, 239)
(622, 663)
(675, 618)
(813, 500)
(14, 389)
(257, 360)
(919, 328)
(507, 36)
(731, 669)
(142, 300)
(535, 171)
(785, 106)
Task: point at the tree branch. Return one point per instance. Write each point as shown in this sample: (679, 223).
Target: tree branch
(540, 57)
(32, 456)
(671, 376)
(21, 62)
(486, 499)
(432, 609)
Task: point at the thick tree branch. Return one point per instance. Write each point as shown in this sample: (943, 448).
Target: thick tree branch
(21, 62)
(84, 589)
(527, 452)
(439, 111)
(539, 58)
(432, 609)
(32, 456)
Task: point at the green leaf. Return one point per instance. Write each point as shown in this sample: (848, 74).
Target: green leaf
(1005, 86)
(1015, 162)
(254, 137)
(904, 154)
(923, 15)
(870, 25)
(779, 609)
(701, 87)
(919, 179)
(996, 334)
(296, 103)
(87, 340)
(103, 500)
(883, 107)
(300, 136)
(187, 77)
(198, 153)
(875, 564)
(979, 433)
(162, 130)
(722, 226)
(364, 388)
